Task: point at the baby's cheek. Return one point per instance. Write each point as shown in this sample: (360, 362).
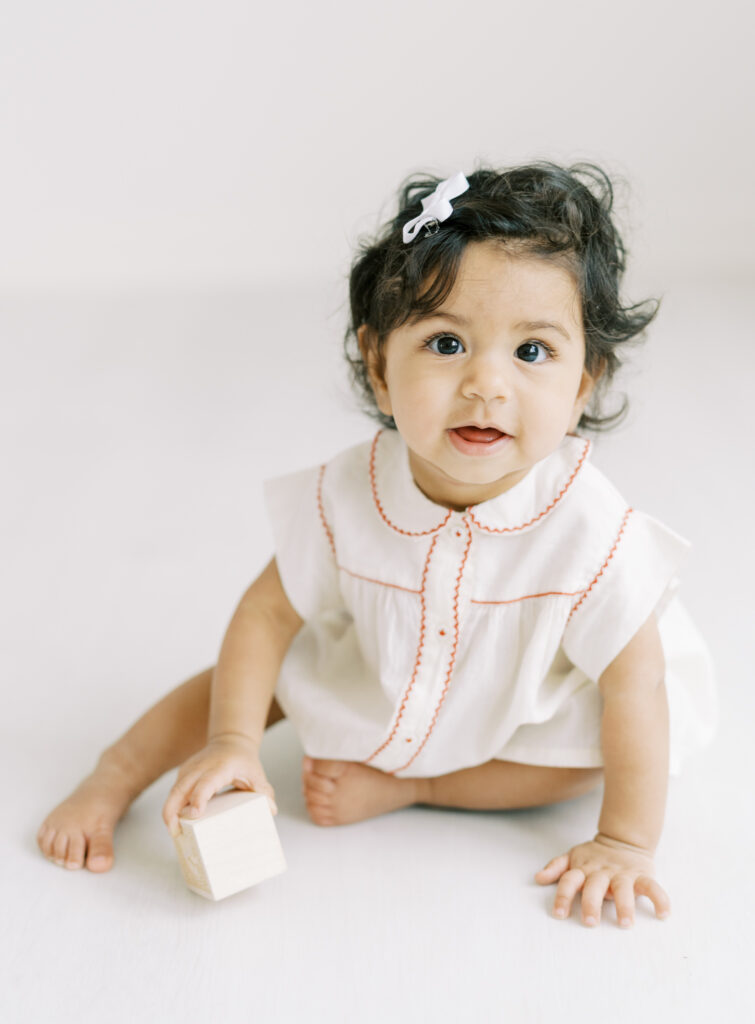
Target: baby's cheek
(558, 418)
(576, 415)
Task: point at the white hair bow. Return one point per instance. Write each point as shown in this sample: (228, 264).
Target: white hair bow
(437, 206)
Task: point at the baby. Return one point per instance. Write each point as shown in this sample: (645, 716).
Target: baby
(462, 612)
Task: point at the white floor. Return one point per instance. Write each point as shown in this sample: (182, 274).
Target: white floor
(136, 432)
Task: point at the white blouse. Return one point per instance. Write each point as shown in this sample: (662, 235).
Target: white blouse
(436, 640)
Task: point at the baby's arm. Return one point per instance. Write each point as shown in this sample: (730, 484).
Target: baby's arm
(634, 736)
(260, 633)
(635, 742)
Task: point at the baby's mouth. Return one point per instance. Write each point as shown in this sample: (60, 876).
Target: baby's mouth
(479, 434)
(478, 441)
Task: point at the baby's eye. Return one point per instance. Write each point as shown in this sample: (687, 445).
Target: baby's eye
(444, 345)
(533, 352)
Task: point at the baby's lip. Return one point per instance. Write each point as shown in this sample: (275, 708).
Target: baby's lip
(481, 428)
(471, 439)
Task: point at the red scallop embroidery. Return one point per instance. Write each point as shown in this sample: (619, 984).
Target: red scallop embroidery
(601, 570)
(452, 661)
(559, 496)
(417, 660)
(529, 597)
(331, 541)
(321, 510)
(381, 510)
(380, 583)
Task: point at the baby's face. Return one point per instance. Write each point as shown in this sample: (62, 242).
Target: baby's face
(505, 352)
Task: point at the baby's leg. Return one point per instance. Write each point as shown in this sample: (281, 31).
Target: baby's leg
(506, 785)
(80, 830)
(341, 792)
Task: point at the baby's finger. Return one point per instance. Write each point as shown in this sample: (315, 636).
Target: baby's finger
(553, 870)
(204, 790)
(623, 897)
(256, 782)
(647, 886)
(177, 800)
(593, 893)
(568, 887)
(259, 784)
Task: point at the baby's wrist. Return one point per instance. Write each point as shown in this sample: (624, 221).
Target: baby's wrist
(620, 844)
(235, 736)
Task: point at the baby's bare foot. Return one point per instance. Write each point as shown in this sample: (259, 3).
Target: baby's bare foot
(342, 792)
(80, 829)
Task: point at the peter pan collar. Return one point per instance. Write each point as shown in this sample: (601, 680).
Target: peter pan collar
(404, 508)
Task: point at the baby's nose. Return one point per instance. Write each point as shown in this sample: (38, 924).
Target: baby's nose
(486, 379)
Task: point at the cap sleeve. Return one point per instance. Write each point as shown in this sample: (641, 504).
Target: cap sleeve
(638, 575)
(303, 542)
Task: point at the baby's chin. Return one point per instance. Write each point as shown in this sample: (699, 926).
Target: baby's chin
(459, 487)
(488, 487)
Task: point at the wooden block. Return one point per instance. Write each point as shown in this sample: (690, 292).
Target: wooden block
(233, 845)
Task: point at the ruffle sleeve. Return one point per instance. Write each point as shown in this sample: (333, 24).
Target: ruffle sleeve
(304, 548)
(638, 575)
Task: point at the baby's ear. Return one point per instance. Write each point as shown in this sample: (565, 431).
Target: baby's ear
(586, 388)
(372, 358)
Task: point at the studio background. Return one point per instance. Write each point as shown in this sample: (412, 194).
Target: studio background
(181, 188)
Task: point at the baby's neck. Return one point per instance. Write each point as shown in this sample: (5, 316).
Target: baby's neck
(460, 497)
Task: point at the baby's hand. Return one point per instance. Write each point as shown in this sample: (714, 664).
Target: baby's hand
(603, 870)
(231, 760)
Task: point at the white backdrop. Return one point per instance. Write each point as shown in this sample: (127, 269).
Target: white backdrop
(183, 142)
(180, 188)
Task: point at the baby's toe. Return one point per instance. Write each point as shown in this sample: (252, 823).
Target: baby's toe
(320, 784)
(330, 769)
(100, 852)
(45, 838)
(320, 813)
(60, 847)
(76, 849)
(318, 800)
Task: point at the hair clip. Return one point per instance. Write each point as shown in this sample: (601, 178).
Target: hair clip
(436, 207)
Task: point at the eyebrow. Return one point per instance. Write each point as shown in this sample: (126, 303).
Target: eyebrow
(541, 325)
(528, 325)
(439, 314)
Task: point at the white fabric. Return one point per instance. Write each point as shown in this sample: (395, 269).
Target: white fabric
(437, 640)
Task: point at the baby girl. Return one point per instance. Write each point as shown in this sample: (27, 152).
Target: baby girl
(462, 612)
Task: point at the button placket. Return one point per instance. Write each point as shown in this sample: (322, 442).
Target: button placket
(444, 597)
(444, 611)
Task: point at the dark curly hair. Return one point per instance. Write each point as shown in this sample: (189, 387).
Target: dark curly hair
(561, 214)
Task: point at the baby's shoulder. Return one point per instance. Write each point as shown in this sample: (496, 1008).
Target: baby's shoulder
(344, 484)
(599, 521)
(588, 519)
(350, 463)
(594, 494)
